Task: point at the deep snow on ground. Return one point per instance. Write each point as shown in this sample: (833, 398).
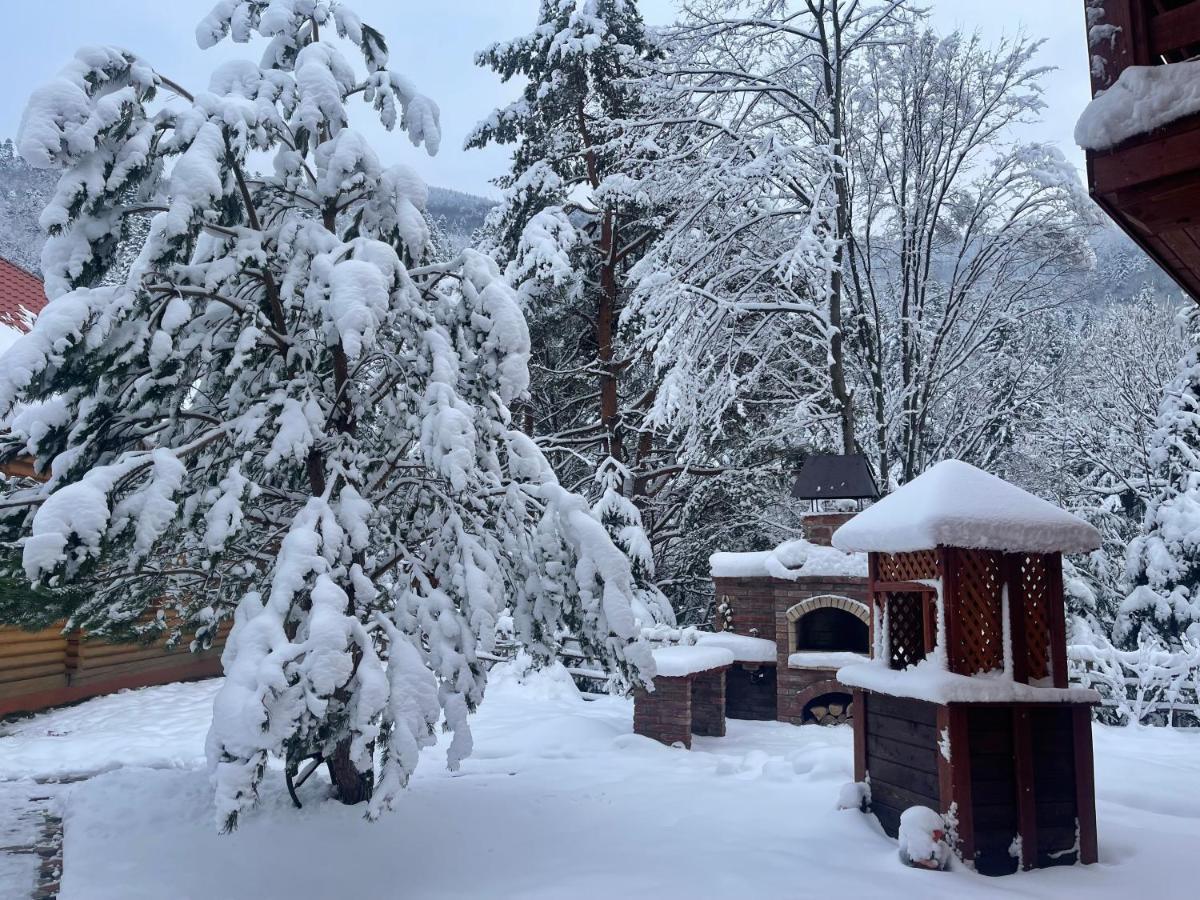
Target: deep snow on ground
(559, 799)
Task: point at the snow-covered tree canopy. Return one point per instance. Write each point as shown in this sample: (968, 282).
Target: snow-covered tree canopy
(1164, 561)
(282, 416)
(569, 237)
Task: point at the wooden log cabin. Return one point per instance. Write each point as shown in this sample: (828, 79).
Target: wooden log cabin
(965, 707)
(1141, 133)
(50, 667)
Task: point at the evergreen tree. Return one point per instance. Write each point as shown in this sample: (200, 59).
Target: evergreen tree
(1164, 561)
(570, 235)
(284, 414)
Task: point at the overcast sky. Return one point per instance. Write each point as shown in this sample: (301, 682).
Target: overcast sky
(434, 42)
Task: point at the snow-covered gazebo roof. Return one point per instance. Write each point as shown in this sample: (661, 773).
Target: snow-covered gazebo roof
(954, 504)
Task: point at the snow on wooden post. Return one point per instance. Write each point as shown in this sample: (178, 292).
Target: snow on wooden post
(965, 705)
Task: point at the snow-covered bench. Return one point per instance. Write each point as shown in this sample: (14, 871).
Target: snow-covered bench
(688, 696)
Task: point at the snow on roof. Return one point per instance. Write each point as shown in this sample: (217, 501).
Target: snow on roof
(928, 680)
(954, 504)
(790, 560)
(1142, 99)
(21, 296)
(743, 647)
(677, 662)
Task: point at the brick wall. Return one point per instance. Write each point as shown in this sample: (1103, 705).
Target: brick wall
(819, 527)
(793, 682)
(666, 714)
(760, 607)
(753, 604)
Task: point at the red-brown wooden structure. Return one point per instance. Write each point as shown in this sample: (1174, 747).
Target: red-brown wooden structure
(1150, 184)
(987, 731)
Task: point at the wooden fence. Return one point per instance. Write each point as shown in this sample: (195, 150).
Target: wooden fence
(39, 669)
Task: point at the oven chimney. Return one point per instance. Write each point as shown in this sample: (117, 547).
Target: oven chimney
(820, 526)
(836, 486)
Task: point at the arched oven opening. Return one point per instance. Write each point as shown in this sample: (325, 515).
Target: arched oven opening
(834, 708)
(829, 629)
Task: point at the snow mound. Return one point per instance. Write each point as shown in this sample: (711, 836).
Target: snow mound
(789, 561)
(954, 504)
(552, 682)
(743, 647)
(677, 662)
(1142, 99)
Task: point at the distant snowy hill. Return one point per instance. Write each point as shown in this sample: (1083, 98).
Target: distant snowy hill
(460, 214)
(24, 191)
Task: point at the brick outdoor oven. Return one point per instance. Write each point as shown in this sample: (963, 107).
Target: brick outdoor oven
(808, 598)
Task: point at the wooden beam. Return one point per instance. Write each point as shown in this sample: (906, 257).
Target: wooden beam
(860, 735)
(1085, 784)
(1026, 801)
(1115, 55)
(1174, 29)
(959, 800)
(948, 563)
(1016, 617)
(1058, 620)
(904, 587)
(1170, 150)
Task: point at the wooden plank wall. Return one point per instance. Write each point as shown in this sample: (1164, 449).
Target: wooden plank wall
(994, 799)
(31, 662)
(901, 756)
(40, 669)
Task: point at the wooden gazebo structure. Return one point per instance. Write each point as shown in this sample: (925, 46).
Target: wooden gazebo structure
(965, 706)
(1148, 182)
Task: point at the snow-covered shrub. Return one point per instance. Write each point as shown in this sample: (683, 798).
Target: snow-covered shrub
(284, 415)
(1148, 685)
(923, 839)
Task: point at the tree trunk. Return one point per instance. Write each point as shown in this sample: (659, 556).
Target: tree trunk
(351, 785)
(606, 314)
(831, 45)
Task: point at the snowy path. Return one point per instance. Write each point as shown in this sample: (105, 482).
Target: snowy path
(559, 799)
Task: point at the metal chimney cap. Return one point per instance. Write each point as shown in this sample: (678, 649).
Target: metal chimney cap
(835, 477)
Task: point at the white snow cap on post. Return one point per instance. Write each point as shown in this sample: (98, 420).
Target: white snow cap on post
(954, 504)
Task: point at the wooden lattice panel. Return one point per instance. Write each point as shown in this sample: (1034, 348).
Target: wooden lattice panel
(915, 566)
(1031, 580)
(906, 629)
(977, 605)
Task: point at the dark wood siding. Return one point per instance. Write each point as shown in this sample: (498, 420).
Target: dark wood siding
(1054, 785)
(993, 788)
(901, 757)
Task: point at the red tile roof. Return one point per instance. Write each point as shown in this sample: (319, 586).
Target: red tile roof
(19, 292)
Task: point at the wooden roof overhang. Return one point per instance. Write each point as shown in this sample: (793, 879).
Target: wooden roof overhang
(1150, 185)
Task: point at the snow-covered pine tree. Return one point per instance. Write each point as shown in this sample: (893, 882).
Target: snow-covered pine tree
(570, 234)
(280, 416)
(1163, 563)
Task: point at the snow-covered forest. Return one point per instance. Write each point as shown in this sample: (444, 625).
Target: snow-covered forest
(714, 292)
(285, 386)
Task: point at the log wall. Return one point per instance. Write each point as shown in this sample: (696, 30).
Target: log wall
(40, 669)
